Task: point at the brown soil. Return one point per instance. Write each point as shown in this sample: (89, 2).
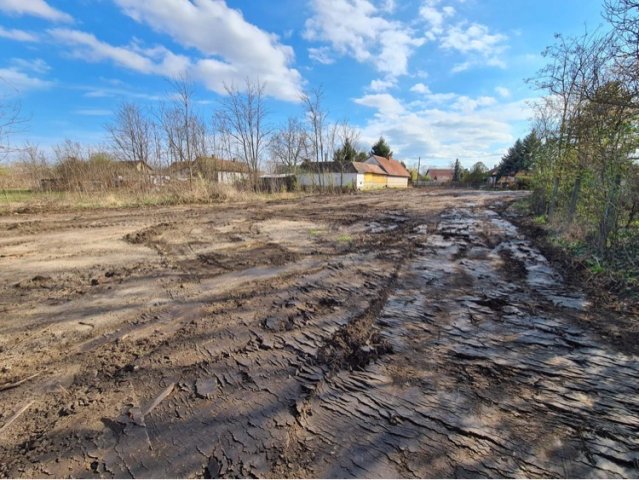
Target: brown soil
(393, 334)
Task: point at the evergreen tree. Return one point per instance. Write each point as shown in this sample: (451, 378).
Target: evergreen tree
(531, 148)
(512, 162)
(457, 171)
(346, 153)
(381, 149)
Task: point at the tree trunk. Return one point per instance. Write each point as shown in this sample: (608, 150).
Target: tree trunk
(574, 199)
(609, 217)
(552, 206)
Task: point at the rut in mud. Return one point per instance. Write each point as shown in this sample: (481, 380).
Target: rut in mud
(403, 334)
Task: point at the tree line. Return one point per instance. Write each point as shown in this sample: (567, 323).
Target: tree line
(175, 132)
(582, 153)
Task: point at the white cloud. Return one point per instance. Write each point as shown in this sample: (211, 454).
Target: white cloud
(434, 16)
(388, 6)
(386, 104)
(110, 92)
(13, 81)
(467, 104)
(473, 38)
(420, 88)
(438, 98)
(321, 55)
(382, 84)
(234, 49)
(36, 8)
(502, 91)
(359, 29)
(18, 35)
(36, 65)
(214, 74)
(476, 41)
(88, 47)
(439, 135)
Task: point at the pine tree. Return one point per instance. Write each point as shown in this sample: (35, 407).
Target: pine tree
(346, 153)
(457, 171)
(381, 149)
(531, 147)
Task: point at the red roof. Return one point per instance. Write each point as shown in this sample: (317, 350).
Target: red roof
(440, 172)
(368, 168)
(391, 167)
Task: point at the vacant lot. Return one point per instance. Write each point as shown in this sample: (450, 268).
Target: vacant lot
(395, 334)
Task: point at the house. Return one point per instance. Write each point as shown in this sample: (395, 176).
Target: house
(440, 175)
(370, 176)
(375, 172)
(396, 174)
(211, 168)
(137, 165)
(127, 172)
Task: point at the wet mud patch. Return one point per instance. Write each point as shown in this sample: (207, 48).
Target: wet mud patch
(241, 258)
(353, 346)
(513, 267)
(147, 235)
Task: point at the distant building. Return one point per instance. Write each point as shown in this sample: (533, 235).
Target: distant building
(138, 165)
(357, 175)
(329, 175)
(211, 168)
(440, 175)
(396, 174)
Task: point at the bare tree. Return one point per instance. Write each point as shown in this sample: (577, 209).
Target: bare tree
(10, 120)
(131, 134)
(34, 163)
(241, 120)
(323, 135)
(348, 138)
(184, 130)
(317, 119)
(623, 16)
(290, 145)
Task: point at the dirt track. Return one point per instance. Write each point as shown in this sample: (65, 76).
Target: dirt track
(396, 334)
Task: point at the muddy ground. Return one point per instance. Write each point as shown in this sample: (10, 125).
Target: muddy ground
(394, 334)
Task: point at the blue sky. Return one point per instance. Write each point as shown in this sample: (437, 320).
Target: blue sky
(439, 79)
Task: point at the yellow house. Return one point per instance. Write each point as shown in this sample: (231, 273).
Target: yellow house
(370, 176)
(396, 174)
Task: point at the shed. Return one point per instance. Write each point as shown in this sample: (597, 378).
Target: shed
(330, 175)
(211, 168)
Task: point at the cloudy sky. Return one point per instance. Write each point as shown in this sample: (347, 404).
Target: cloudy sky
(439, 79)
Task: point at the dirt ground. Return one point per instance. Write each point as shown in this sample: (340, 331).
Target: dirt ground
(392, 334)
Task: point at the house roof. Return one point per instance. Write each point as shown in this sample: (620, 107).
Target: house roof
(391, 166)
(134, 163)
(440, 172)
(361, 167)
(212, 163)
(328, 167)
(222, 165)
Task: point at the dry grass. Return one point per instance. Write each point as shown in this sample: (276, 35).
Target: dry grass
(24, 201)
